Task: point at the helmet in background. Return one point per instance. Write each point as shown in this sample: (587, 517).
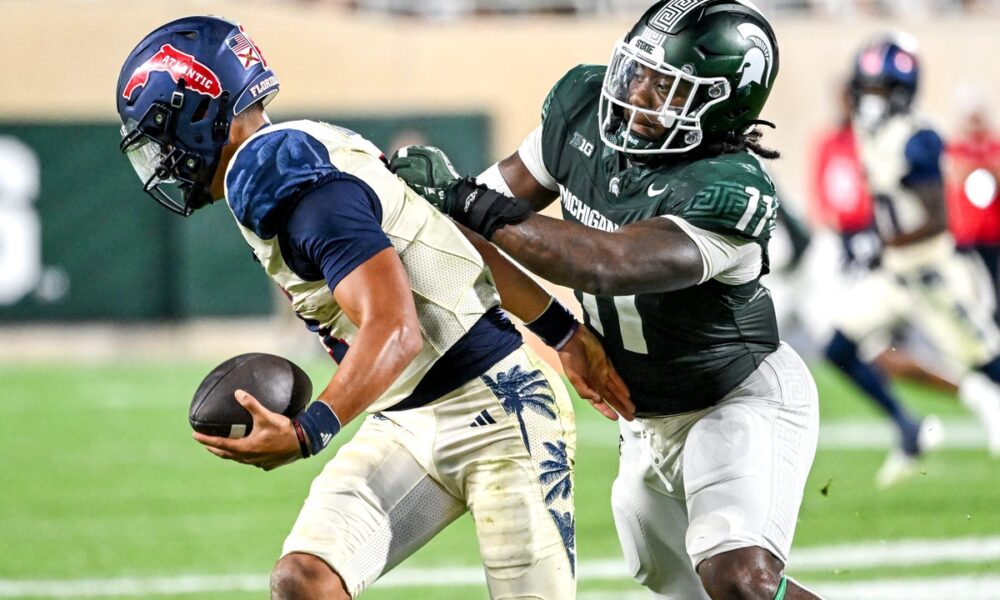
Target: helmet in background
(885, 77)
(177, 95)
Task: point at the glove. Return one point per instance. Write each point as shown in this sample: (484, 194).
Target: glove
(428, 172)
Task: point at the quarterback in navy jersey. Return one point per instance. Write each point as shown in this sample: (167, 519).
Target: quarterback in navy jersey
(920, 279)
(461, 414)
(667, 214)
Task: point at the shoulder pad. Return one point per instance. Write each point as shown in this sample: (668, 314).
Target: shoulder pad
(729, 194)
(923, 154)
(269, 171)
(573, 86)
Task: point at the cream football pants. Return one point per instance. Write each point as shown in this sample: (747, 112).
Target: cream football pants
(502, 447)
(946, 296)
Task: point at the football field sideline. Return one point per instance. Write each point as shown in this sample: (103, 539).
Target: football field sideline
(900, 553)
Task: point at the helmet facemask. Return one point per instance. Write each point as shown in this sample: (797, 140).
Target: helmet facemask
(673, 101)
(178, 179)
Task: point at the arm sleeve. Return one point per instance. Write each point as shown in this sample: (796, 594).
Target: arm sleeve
(333, 229)
(724, 258)
(493, 179)
(923, 155)
(531, 155)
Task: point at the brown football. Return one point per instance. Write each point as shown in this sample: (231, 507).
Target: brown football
(277, 383)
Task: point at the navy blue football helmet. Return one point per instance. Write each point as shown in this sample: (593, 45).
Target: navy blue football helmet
(177, 94)
(888, 65)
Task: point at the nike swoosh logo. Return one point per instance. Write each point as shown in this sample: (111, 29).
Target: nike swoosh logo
(652, 192)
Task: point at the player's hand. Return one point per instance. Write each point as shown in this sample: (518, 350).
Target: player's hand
(427, 171)
(594, 377)
(271, 444)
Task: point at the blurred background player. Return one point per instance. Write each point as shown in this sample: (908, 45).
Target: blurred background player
(973, 170)
(667, 215)
(920, 279)
(463, 416)
(842, 207)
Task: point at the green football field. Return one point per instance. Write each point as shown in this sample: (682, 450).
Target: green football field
(106, 495)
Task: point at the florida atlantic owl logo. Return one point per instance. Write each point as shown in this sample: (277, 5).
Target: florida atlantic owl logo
(759, 60)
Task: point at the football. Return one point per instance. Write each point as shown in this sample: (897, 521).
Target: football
(277, 383)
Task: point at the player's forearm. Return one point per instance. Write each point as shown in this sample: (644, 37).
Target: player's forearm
(647, 258)
(379, 354)
(931, 196)
(520, 295)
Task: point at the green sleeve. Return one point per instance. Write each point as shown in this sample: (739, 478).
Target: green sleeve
(741, 205)
(569, 99)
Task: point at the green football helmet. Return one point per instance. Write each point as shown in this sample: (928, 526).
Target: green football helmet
(688, 71)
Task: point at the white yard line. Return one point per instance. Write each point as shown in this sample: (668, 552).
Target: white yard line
(897, 553)
(903, 553)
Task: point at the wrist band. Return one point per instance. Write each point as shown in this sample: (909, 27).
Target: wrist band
(556, 325)
(301, 436)
(484, 210)
(320, 424)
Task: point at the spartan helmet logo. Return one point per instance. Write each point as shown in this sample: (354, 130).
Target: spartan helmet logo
(758, 59)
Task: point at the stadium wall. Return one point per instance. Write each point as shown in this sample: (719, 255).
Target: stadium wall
(61, 60)
(333, 63)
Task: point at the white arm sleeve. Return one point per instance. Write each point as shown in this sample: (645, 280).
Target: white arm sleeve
(724, 258)
(493, 179)
(531, 155)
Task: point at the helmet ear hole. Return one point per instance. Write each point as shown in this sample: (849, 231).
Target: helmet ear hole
(202, 111)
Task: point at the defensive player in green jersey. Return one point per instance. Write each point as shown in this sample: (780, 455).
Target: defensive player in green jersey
(667, 213)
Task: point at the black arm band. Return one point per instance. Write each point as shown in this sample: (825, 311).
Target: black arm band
(555, 326)
(484, 211)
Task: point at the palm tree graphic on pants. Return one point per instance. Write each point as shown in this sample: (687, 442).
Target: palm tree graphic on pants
(521, 391)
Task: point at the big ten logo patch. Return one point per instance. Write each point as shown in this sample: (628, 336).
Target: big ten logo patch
(582, 144)
(21, 269)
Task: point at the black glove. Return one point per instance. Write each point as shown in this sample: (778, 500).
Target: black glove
(428, 172)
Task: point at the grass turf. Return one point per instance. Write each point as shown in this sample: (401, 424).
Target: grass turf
(101, 479)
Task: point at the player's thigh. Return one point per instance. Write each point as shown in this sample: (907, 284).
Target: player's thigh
(651, 523)
(870, 306)
(510, 445)
(371, 506)
(747, 460)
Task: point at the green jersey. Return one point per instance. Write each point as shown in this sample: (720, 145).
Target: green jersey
(682, 350)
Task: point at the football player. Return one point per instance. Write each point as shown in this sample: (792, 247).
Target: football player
(667, 213)
(920, 279)
(971, 189)
(463, 415)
